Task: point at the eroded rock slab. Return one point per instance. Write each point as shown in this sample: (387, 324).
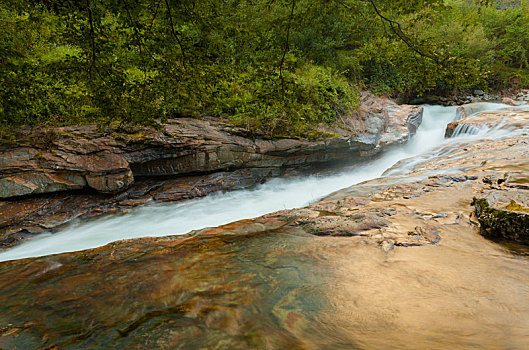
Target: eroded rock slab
(24, 218)
(473, 120)
(350, 271)
(201, 156)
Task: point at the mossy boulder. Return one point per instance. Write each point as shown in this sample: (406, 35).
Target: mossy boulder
(510, 222)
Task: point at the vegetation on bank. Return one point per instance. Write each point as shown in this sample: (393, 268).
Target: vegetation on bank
(273, 66)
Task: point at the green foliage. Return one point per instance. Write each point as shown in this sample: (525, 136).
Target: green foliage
(456, 46)
(252, 62)
(138, 62)
(311, 95)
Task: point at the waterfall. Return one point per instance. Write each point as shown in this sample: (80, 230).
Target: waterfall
(466, 129)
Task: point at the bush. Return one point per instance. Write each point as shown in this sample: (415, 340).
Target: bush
(307, 97)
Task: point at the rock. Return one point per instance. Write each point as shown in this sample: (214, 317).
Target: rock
(378, 124)
(479, 92)
(34, 183)
(69, 158)
(28, 170)
(110, 183)
(21, 218)
(523, 95)
(510, 101)
(470, 109)
(510, 222)
(402, 123)
(346, 226)
(515, 117)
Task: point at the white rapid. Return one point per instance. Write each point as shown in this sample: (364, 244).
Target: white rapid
(222, 208)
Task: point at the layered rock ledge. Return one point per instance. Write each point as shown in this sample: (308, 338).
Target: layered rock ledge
(107, 161)
(472, 119)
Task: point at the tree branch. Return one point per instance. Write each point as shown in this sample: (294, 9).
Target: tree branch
(137, 34)
(175, 35)
(92, 38)
(396, 28)
(287, 46)
(155, 14)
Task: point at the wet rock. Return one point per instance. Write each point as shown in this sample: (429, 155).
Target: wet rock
(523, 95)
(27, 170)
(510, 222)
(504, 213)
(216, 284)
(70, 158)
(21, 218)
(271, 283)
(35, 183)
(379, 123)
(473, 120)
(110, 183)
(345, 226)
(510, 101)
(470, 109)
(402, 123)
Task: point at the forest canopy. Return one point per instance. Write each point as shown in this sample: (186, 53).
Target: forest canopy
(272, 66)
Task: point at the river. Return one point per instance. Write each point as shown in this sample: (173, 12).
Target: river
(221, 208)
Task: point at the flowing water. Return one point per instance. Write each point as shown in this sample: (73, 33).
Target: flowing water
(222, 208)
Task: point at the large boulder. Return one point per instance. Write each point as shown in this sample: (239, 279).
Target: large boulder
(379, 123)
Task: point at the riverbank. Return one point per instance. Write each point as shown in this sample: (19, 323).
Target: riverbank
(49, 178)
(516, 97)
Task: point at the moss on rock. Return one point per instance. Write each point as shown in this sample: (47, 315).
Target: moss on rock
(510, 223)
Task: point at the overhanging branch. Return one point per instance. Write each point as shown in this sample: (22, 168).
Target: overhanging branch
(395, 27)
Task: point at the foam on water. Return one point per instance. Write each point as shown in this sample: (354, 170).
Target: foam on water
(222, 208)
